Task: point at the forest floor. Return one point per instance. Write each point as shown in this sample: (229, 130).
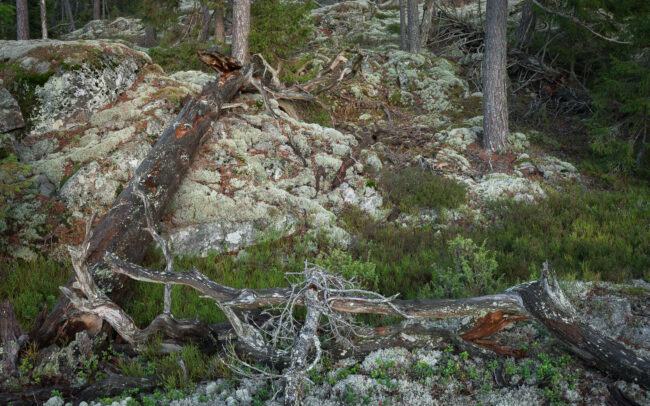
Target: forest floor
(423, 212)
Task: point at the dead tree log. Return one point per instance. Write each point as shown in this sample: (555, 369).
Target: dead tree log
(542, 300)
(122, 229)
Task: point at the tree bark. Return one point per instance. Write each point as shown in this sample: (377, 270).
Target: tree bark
(495, 103)
(43, 19)
(67, 10)
(205, 23)
(22, 20)
(241, 18)
(413, 26)
(96, 9)
(149, 37)
(403, 26)
(526, 27)
(427, 17)
(123, 229)
(219, 25)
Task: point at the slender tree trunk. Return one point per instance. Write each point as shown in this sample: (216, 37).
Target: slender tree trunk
(67, 9)
(22, 20)
(402, 25)
(150, 37)
(413, 26)
(205, 23)
(219, 25)
(524, 31)
(241, 18)
(495, 103)
(43, 20)
(427, 17)
(96, 9)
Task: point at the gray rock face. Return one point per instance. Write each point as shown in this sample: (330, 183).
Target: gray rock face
(253, 174)
(10, 115)
(130, 30)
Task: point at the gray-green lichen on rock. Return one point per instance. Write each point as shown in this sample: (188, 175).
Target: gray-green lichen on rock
(66, 361)
(497, 186)
(256, 174)
(130, 30)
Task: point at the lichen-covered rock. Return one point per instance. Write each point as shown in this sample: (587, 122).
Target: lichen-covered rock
(256, 174)
(130, 30)
(555, 169)
(458, 138)
(64, 362)
(89, 186)
(432, 79)
(518, 142)
(497, 186)
(85, 76)
(10, 115)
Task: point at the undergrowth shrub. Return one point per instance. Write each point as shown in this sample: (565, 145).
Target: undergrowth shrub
(585, 234)
(260, 266)
(278, 28)
(30, 285)
(180, 57)
(413, 189)
(474, 272)
(341, 262)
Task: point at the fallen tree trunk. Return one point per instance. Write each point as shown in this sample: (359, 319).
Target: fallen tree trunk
(122, 229)
(334, 298)
(542, 300)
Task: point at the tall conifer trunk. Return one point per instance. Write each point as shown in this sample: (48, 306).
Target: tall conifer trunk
(495, 103)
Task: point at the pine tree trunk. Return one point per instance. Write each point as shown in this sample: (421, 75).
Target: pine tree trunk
(205, 23)
(526, 27)
(149, 37)
(402, 25)
(68, 13)
(495, 103)
(22, 20)
(241, 18)
(43, 20)
(427, 17)
(219, 25)
(413, 25)
(96, 9)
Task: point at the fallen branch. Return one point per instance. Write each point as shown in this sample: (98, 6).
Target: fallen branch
(542, 300)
